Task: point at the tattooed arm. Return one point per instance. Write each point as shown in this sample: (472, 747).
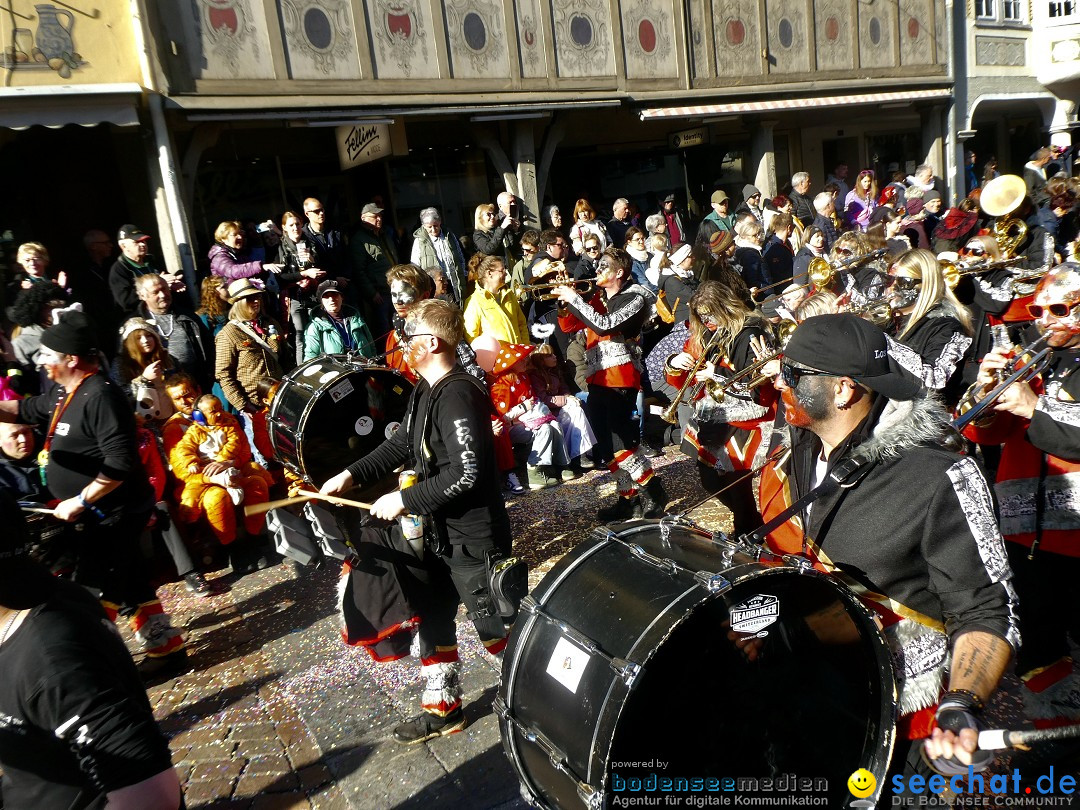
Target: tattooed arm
(979, 661)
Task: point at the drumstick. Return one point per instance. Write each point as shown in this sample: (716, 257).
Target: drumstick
(996, 739)
(306, 495)
(37, 510)
(260, 508)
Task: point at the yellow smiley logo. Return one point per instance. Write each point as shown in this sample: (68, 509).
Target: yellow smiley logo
(861, 783)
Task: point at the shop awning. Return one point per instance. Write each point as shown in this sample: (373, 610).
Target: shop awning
(769, 105)
(86, 105)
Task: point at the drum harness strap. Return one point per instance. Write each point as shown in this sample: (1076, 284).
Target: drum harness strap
(507, 578)
(846, 474)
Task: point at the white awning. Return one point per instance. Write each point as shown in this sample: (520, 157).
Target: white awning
(743, 107)
(86, 105)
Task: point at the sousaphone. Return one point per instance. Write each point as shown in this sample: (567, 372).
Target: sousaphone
(1000, 198)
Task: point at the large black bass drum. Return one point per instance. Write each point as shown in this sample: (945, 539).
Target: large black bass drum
(330, 411)
(659, 659)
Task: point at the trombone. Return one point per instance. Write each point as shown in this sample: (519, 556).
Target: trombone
(1034, 363)
(821, 272)
(953, 272)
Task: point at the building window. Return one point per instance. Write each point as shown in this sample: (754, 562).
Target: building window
(1007, 12)
(1062, 8)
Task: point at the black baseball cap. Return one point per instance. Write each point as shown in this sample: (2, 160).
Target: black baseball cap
(132, 232)
(849, 346)
(328, 286)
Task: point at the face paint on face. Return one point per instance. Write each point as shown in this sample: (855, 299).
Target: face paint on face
(903, 291)
(806, 403)
(402, 296)
(708, 321)
(1060, 286)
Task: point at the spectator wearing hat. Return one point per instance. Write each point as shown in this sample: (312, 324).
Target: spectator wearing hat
(679, 281)
(931, 203)
(248, 347)
(673, 218)
(134, 261)
(78, 728)
(141, 368)
(336, 327)
(434, 246)
(373, 254)
(91, 464)
(720, 215)
(751, 203)
(862, 432)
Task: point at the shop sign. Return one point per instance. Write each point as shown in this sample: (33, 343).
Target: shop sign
(363, 143)
(688, 137)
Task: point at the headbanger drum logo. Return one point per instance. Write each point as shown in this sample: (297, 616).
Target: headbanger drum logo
(755, 614)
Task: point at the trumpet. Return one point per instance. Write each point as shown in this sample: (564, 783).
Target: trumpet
(545, 291)
(953, 272)
(738, 382)
(671, 412)
(821, 272)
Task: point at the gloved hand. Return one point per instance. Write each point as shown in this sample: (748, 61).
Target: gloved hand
(957, 712)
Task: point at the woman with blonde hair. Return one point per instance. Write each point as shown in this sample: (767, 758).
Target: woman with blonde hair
(932, 329)
(585, 222)
(724, 434)
(489, 235)
(228, 258)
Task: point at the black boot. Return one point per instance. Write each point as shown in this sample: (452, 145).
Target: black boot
(622, 509)
(246, 555)
(653, 499)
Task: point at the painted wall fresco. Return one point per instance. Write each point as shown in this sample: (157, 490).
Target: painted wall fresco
(320, 39)
(403, 42)
(227, 39)
(737, 34)
(648, 29)
(789, 48)
(476, 39)
(583, 39)
(532, 39)
(57, 42)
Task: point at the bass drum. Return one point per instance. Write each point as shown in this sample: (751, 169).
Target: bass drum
(329, 412)
(623, 666)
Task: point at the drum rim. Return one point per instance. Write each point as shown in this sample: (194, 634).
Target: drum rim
(299, 467)
(742, 569)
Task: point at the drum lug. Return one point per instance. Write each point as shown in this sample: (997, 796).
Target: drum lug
(529, 606)
(627, 670)
(798, 561)
(593, 798)
(713, 583)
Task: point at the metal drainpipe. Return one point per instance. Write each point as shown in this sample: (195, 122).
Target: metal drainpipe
(166, 165)
(955, 167)
(173, 202)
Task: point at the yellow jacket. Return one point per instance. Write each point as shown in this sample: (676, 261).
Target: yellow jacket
(497, 314)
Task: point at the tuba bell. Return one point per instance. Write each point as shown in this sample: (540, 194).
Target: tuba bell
(1000, 198)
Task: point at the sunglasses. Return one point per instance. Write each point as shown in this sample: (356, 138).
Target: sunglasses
(792, 374)
(593, 249)
(407, 339)
(1057, 310)
(314, 211)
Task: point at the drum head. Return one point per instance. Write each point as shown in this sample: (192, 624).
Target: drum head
(328, 413)
(815, 703)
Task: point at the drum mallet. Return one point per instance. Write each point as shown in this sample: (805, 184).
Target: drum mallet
(999, 738)
(39, 510)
